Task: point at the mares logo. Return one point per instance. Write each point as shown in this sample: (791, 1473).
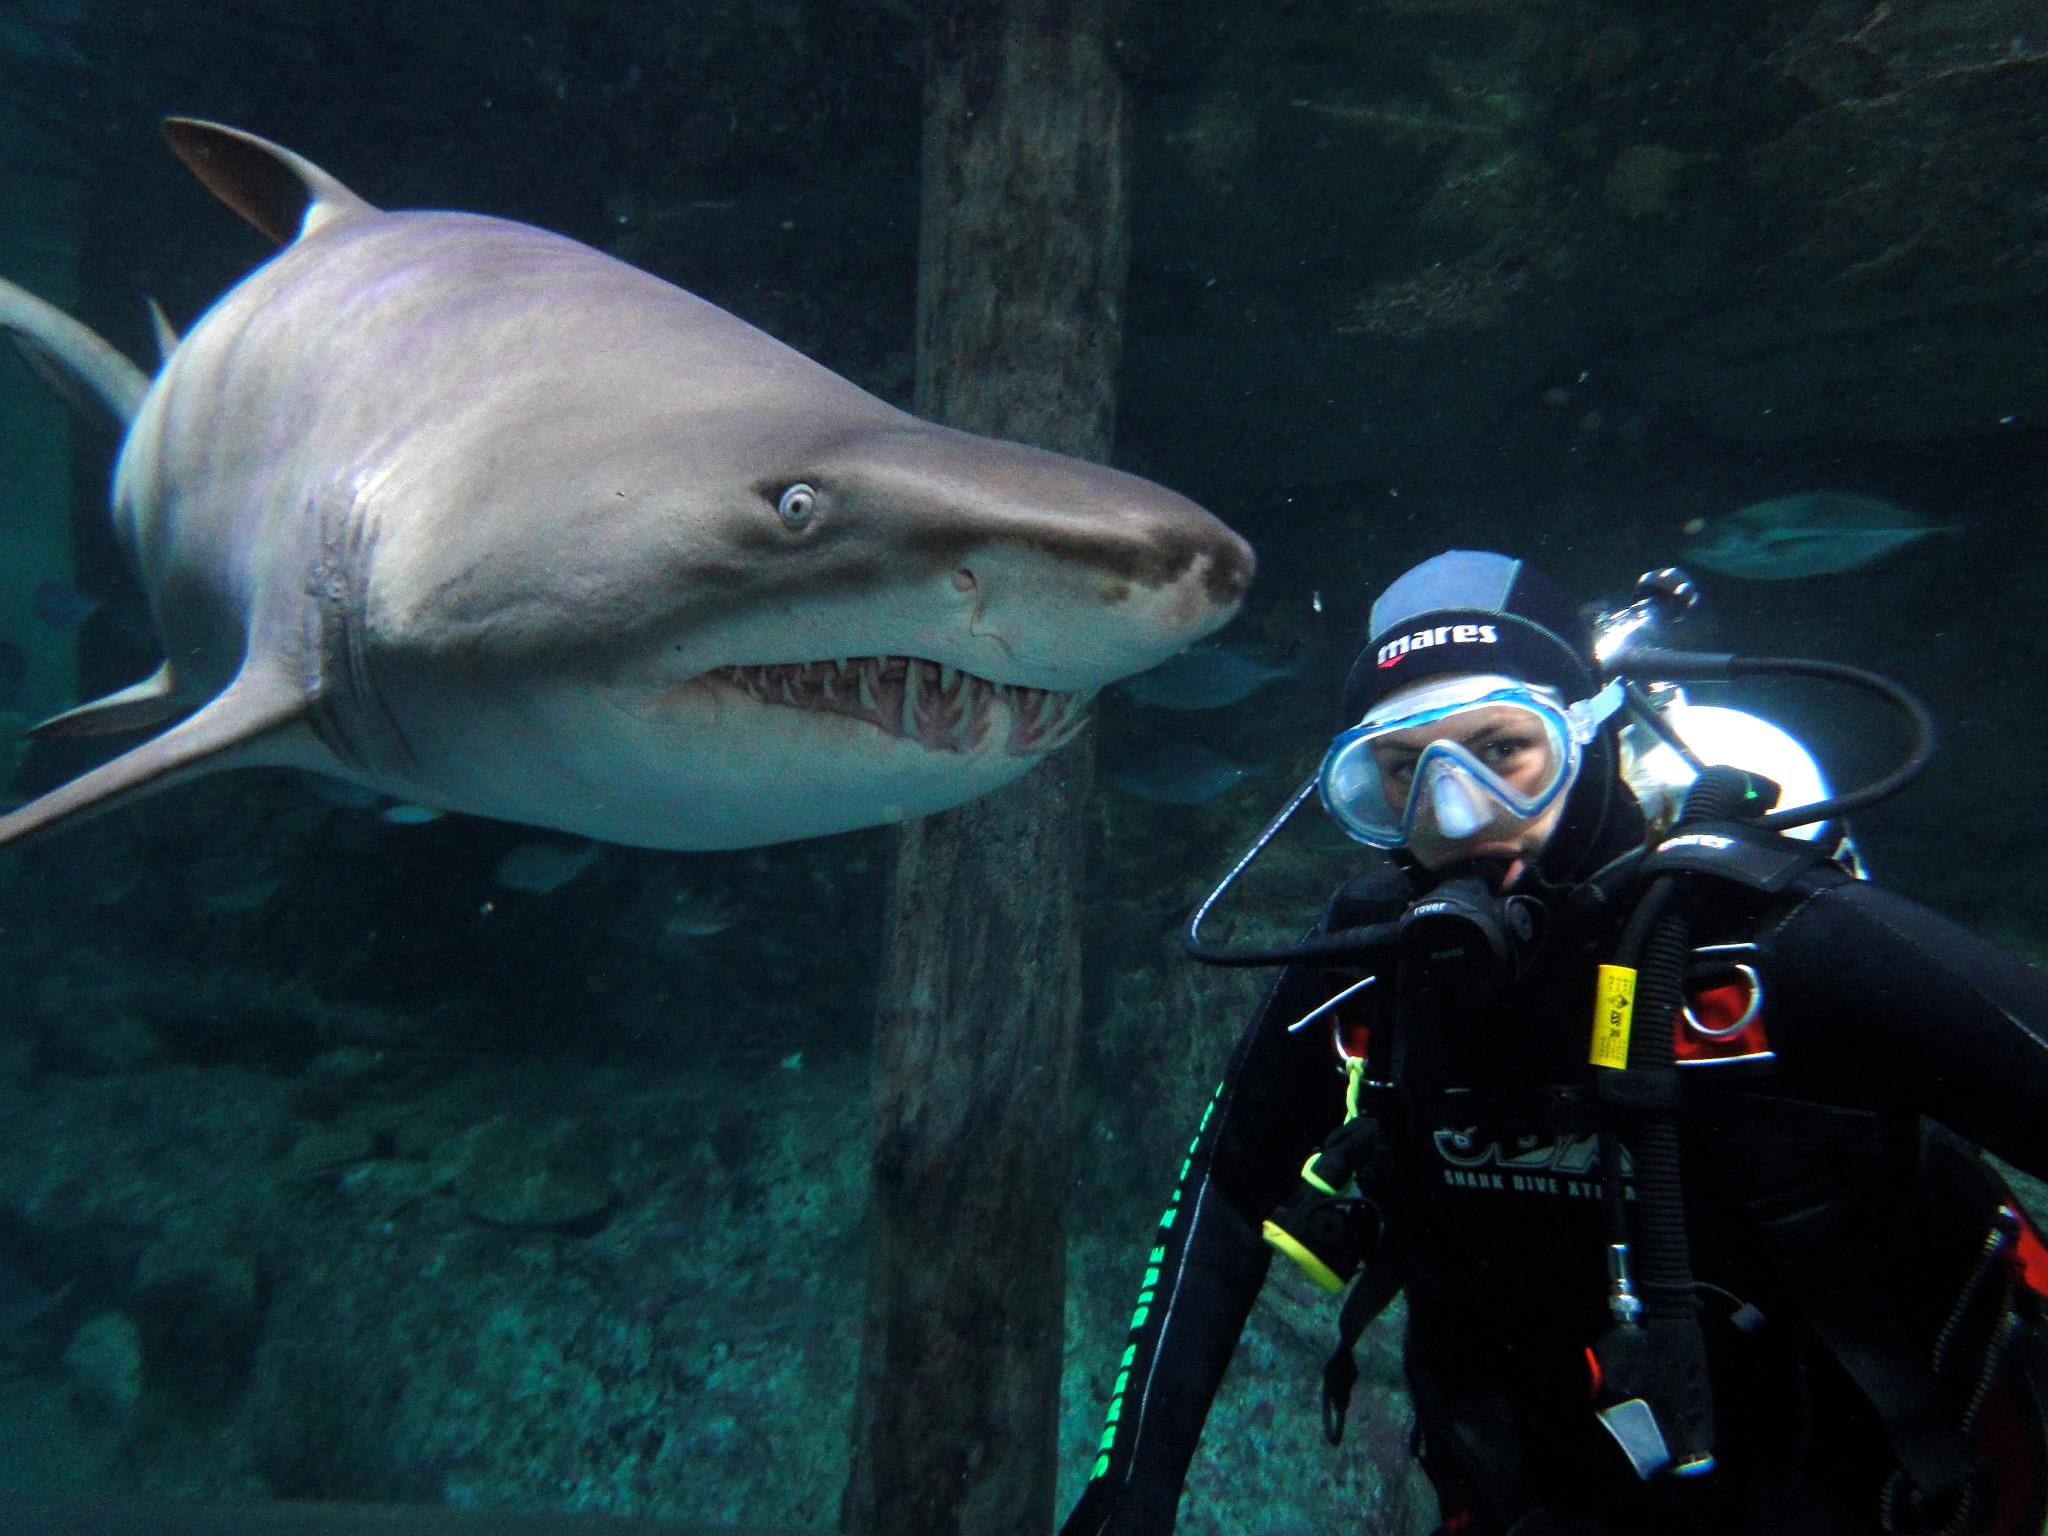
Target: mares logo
(1443, 634)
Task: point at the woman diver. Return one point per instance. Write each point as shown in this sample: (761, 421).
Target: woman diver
(1668, 1133)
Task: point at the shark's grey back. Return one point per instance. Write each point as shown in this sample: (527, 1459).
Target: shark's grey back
(372, 380)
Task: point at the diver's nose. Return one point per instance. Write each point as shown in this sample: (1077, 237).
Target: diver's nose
(1455, 805)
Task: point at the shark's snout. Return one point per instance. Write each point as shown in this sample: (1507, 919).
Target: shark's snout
(1058, 572)
(1228, 572)
(1109, 580)
(1212, 584)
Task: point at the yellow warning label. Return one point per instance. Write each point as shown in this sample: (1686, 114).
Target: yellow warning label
(1614, 1006)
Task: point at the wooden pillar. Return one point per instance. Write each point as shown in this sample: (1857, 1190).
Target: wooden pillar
(1020, 294)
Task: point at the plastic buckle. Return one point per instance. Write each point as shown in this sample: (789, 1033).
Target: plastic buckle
(1634, 1427)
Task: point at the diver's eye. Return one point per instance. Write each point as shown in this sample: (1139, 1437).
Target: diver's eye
(797, 506)
(1502, 750)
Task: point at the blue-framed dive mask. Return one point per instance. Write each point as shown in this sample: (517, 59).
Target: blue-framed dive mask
(1458, 758)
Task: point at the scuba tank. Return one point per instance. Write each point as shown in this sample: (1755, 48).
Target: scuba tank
(1661, 756)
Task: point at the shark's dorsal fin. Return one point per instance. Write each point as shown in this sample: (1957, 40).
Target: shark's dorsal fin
(283, 194)
(166, 333)
(257, 705)
(149, 702)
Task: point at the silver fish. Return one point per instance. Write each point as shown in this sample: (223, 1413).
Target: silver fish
(538, 868)
(1180, 773)
(1812, 534)
(1207, 677)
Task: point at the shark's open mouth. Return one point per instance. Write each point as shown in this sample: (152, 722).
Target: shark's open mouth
(937, 706)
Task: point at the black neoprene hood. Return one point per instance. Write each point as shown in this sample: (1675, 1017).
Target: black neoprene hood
(1469, 611)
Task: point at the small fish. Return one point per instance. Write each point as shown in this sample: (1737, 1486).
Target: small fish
(63, 607)
(1813, 534)
(229, 882)
(1180, 773)
(1208, 677)
(699, 914)
(539, 868)
(404, 814)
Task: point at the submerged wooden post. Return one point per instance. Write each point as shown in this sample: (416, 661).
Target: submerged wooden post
(1019, 330)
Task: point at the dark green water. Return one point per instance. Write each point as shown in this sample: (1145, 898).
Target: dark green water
(1554, 279)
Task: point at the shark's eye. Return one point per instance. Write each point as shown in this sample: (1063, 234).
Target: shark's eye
(797, 506)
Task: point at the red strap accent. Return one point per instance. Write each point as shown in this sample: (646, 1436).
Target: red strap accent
(1354, 1036)
(2005, 1441)
(1596, 1378)
(1718, 1007)
(2033, 1257)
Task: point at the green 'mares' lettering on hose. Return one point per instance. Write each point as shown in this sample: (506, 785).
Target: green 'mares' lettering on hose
(1147, 1289)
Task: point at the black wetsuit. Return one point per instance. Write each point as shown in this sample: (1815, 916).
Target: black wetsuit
(1808, 1197)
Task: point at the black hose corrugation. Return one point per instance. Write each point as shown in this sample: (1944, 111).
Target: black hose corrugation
(1663, 1252)
(1662, 1249)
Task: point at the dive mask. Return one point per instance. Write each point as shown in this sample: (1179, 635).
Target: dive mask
(1458, 757)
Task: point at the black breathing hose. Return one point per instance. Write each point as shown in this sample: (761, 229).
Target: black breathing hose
(1641, 1104)
(1712, 666)
(1655, 944)
(1344, 944)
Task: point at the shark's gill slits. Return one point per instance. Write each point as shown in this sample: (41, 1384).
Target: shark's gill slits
(937, 706)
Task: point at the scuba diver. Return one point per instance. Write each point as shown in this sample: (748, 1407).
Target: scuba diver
(1664, 1119)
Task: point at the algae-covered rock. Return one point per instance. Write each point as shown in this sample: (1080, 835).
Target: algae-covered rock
(1814, 221)
(331, 1147)
(103, 1365)
(200, 1308)
(90, 1042)
(510, 1173)
(1644, 178)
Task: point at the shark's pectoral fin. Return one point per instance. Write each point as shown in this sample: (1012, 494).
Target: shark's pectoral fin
(152, 701)
(75, 363)
(228, 732)
(282, 194)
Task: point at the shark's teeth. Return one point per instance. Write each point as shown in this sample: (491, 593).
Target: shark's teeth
(1073, 715)
(939, 710)
(981, 698)
(932, 703)
(907, 721)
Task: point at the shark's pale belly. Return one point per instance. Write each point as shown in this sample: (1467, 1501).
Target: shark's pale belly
(708, 766)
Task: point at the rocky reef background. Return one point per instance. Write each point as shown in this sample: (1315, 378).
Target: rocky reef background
(330, 1166)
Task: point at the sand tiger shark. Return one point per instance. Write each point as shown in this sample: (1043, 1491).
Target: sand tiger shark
(474, 515)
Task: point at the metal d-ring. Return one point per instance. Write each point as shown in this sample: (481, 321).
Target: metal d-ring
(1729, 1031)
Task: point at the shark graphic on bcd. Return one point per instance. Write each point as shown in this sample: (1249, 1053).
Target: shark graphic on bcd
(478, 517)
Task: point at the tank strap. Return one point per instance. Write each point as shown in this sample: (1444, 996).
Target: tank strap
(1930, 1449)
(1368, 1299)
